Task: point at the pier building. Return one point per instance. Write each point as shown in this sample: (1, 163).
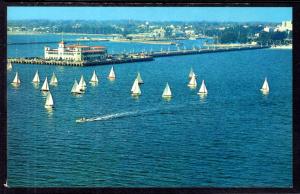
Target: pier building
(76, 52)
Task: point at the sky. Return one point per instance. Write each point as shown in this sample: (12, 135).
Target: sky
(218, 14)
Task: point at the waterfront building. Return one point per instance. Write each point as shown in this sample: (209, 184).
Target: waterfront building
(285, 26)
(266, 29)
(76, 52)
(159, 33)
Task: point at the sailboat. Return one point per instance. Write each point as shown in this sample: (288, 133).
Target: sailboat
(167, 92)
(265, 87)
(16, 80)
(193, 81)
(36, 78)
(45, 86)
(139, 78)
(9, 66)
(82, 84)
(191, 73)
(94, 78)
(202, 89)
(53, 80)
(49, 100)
(112, 74)
(76, 88)
(135, 90)
(73, 90)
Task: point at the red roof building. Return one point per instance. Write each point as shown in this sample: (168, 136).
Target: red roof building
(76, 52)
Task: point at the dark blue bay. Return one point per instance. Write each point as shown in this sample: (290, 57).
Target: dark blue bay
(235, 137)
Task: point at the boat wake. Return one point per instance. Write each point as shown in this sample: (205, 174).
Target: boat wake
(113, 116)
(107, 117)
(121, 114)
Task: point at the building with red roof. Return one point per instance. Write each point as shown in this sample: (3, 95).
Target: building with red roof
(76, 52)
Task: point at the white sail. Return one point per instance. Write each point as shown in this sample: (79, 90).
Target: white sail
(191, 73)
(78, 89)
(94, 78)
(136, 88)
(193, 81)
(16, 79)
(49, 100)
(45, 86)
(203, 89)
(53, 80)
(133, 85)
(265, 86)
(139, 78)
(9, 66)
(82, 84)
(167, 91)
(112, 74)
(36, 78)
(74, 86)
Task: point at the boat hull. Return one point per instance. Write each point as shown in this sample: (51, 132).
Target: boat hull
(133, 94)
(81, 120)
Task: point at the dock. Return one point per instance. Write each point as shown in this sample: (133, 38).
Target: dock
(42, 61)
(206, 50)
(131, 58)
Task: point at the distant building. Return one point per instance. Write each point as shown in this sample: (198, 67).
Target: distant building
(285, 26)
(75, 52)
(189, 32)
(266, 29)
(159, 33)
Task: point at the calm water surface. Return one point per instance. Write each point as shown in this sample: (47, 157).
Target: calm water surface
(234, 137)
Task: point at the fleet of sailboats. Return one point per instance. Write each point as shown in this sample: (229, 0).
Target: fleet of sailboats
(45, 86)
(53, 80)
(94, 78)
(79, 88)
(16, 80)
(265, 87)
(36, 78)
(49, 100)
(112, 74)
(135, 89)
(167, 92)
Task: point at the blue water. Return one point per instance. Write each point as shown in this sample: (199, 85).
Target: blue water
(234, 137)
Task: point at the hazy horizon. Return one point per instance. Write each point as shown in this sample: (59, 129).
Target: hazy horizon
(142, 21)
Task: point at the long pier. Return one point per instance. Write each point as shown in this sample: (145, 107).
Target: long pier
(41, 61)
(207, 50)
(138, 57)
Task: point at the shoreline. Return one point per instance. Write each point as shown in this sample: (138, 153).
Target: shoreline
(43, 33)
